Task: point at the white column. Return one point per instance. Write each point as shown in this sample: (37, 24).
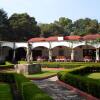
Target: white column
(31, 56)
(14, 52)
(72, 55)
(50, 52)
(29, 52)
(50, 55)
(97, 54)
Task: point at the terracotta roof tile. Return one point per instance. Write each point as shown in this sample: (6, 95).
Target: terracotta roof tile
(52, 39)
(74, 37)
(36, 39)
(91, 37)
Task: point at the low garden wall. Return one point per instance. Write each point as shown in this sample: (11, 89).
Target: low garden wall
(28, 68)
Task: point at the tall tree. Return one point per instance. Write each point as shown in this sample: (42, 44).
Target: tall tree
(23, 26)
(85, 26)
(66, 24)
(4, 25)
(50, 30)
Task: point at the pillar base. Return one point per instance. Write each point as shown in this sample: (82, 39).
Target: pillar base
(28, 68)
(97, 61)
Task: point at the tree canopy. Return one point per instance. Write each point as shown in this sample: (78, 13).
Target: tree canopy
(21, 27)
(4, 25)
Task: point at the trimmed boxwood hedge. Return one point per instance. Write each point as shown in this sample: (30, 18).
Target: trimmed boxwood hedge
(67, 65)
(7, 77)
(27, 89)
(5, 92)
(76, 78)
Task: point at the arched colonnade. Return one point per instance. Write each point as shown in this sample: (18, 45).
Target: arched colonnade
(77, 51)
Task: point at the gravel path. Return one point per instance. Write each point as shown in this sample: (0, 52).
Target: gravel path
(56, 91)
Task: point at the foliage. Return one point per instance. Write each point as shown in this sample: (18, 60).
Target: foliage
(5, 92)
(78, 79)
(4, 25)
(67, 65)
(29, 90)
(50, 30)
(23, 26)
(85, 26)
(43, 74)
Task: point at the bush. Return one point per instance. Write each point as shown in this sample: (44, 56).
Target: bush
(67, 65)
(29, 90)
(7, 77)
(76, 78)
(5, 92)
(60, 65)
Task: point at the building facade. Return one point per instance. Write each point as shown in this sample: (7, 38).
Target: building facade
(70, 48)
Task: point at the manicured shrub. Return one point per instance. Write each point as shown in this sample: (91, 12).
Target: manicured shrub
(5, 92)
(68, 65)
(78, 79)
(7, 77)
(29, 90)
(32, 92)
(60, 65)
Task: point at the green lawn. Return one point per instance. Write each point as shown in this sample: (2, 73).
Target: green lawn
(94, 75)
(5, 92)
(44, 73)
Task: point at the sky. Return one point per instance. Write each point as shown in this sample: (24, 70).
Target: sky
(47, 11)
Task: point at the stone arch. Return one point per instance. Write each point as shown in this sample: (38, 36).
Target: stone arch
(40, 51)
(82, 51)
(6, 52)
(63, 51)
(61, 43)
(20, 53)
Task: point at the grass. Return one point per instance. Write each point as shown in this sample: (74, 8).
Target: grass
(7, 64)
(46, 62)
(5, 92)
(94, 75)
(22, 62)
(44, 73)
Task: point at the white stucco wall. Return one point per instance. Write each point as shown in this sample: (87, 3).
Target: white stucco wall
(8, 44)
(43, 44)
(20, 44)
(67, 45)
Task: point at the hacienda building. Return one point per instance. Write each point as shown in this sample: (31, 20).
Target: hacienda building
(68, 48)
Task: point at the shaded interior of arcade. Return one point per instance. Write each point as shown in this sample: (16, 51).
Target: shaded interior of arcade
(42, 53)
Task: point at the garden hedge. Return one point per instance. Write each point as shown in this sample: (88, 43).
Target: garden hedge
(78, 79)
(67, 65)
(5, 92)
(27, 89)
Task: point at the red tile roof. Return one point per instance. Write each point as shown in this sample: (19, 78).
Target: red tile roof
(91, 37)
(36, 39)
(74, 37)
(52, 39)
